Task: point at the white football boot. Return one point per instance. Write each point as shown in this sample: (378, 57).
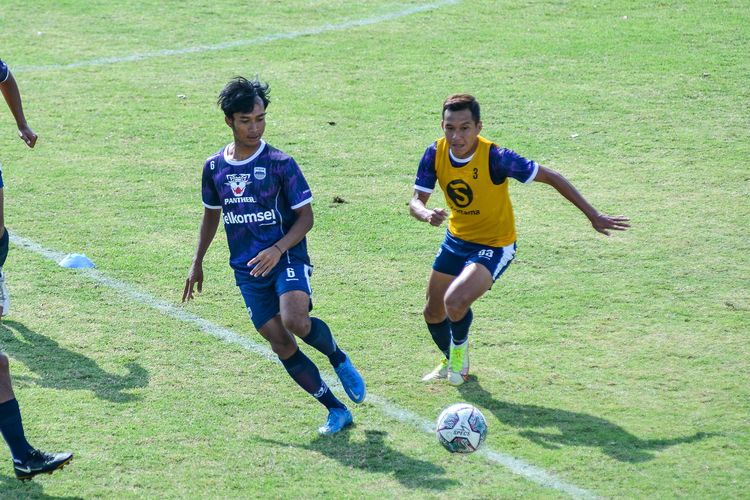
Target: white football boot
(440, 372)
(4, 295)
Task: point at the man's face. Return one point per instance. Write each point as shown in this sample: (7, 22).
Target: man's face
(248, 128)
(461, 132)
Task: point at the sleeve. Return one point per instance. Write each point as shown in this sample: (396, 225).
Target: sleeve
(4, 71)
(426, 174)
(506, 163)
(296, 189)
(210, 194)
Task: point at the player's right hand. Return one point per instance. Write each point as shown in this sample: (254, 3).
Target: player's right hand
(195, 276)
(27, 135)
(436, 216)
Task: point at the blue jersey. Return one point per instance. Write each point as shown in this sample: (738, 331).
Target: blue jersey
(4, 71)
(258, 197)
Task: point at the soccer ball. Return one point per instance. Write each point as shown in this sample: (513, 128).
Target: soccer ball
(461, 428)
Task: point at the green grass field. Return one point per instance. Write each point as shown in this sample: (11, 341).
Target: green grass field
(616, 367)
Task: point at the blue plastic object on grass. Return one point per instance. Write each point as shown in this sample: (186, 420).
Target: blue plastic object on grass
(76, 261)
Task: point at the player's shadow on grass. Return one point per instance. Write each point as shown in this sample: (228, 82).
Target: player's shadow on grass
(573, 429)
(374, 455)
(10, 487)
(59, 368)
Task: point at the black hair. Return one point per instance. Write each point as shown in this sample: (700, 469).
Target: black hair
(457, 102)
(238, 96)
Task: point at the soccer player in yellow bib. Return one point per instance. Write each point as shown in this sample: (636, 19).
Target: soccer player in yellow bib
(480, 241)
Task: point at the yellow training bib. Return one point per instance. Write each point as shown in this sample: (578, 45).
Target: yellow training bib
(481, 211)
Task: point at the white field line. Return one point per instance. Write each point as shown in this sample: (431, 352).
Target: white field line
(243, 43)
(528, 471)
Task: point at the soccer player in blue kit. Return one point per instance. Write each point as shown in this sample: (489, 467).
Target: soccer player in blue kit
(27, 461)
(267, 211)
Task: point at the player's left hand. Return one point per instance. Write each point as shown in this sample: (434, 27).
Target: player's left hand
(604, 223)
(264, 261)
(27, 135)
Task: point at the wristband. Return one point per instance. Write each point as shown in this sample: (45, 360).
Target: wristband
(277, 248)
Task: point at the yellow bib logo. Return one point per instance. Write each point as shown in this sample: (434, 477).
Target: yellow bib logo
(460, 193)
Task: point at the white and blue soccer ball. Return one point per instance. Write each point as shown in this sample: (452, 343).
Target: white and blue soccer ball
(461, 428)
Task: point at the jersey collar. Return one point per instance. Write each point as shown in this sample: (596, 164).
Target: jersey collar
(461, 161)
(246, 160)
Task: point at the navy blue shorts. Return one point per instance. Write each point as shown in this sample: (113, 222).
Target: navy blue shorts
(1, 176)
(262, 294)
(455, 254)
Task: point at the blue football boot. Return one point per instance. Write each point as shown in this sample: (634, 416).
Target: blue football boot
(338, 418)
(352, 381)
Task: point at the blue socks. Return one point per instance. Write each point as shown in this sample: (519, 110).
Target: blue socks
(4, 247)
(441, 335)
(460, 328)
(304, 371)
(12, 428)
(306, 374)
(443, 332)
(321, 338)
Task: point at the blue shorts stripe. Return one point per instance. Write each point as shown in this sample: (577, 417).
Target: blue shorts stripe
(509, 252)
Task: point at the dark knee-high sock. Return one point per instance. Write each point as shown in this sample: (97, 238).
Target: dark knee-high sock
(4, 247)
(12, 430)
(321, 338)
(460, 328)
(306, 374)
(441, 335)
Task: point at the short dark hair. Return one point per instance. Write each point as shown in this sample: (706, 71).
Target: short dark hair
(457, 102)
(238, 96)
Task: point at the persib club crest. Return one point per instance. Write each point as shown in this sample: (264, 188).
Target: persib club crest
(238, 183)
(259, 173)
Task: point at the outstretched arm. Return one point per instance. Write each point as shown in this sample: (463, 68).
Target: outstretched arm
(601, 222)
(418, 209)
(209, 225)
(12, 96)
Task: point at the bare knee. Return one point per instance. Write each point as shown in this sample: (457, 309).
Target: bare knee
(298, 325)
(433, 314)
(284, 348)
(282, 342)
(4, 363)
(456, 307)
